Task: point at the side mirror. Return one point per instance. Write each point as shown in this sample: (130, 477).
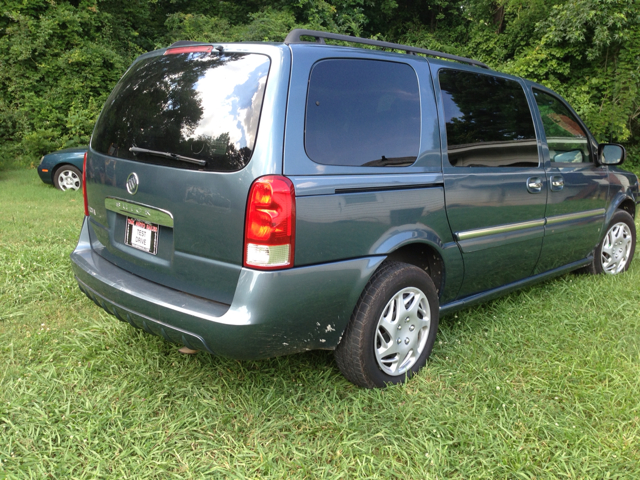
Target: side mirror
(611, 154)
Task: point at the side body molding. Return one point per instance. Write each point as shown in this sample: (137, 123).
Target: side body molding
(475, 240)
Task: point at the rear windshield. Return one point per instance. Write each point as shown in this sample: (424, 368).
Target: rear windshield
(204, 108)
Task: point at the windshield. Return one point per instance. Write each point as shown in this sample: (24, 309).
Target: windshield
(203, 106)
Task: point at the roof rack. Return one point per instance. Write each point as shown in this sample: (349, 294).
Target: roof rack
(295, 36)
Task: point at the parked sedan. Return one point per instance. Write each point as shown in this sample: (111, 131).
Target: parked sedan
(63, 168)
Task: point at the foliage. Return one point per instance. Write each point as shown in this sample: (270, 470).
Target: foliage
(589, 51)
(57, 64)
(59, 60)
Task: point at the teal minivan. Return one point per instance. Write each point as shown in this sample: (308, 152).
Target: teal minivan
(255, 199)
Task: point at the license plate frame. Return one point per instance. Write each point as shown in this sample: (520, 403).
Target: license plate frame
(141, 235)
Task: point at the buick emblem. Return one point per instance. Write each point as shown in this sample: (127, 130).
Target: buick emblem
(132, 183)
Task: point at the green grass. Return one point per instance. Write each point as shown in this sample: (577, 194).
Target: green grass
(543, 383)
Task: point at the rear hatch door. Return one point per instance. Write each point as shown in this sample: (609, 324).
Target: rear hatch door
(173, 155)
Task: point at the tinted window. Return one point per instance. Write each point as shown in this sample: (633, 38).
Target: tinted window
(566, 139)
(202, 106)
(363, 112)
(488, 121)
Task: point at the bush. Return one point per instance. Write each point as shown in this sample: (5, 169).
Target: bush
(58, 66)
(59, 60)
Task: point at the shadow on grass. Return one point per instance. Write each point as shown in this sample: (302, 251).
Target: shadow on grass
(314, 370)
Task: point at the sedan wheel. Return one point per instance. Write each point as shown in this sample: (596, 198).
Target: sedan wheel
(68, 178)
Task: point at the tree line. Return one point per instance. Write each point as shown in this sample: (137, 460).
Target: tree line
(60, 59)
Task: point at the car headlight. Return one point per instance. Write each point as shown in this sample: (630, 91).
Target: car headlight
(41, 159)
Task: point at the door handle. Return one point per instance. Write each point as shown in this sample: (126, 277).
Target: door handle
(557, 183)
(534, 184)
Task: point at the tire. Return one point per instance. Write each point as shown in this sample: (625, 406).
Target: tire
(67, 177)
(615, 252)
(377, 323)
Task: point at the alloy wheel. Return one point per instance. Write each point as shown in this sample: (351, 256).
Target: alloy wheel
(69, 180)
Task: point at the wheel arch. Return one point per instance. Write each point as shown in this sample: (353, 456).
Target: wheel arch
(425, 256)
(417, 244)
(58, 166)
(628, 205)
(622, 201)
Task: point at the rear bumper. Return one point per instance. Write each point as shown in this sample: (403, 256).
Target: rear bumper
(272, 313)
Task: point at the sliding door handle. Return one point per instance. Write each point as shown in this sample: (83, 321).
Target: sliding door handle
(534, 184)
(557, 183)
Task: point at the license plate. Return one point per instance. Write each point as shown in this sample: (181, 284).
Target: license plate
(141, 235)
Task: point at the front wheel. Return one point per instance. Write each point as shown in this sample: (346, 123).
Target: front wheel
(68, 177)
(614, 253)
(392, 329)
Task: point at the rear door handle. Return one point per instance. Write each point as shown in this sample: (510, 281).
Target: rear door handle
(534, 184)
(557, 183)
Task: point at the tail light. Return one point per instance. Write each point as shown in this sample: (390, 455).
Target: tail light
(84, 185)
(269, 232)
(197, 48)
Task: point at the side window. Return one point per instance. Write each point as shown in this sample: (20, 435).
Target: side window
(567, 140)
(362, 113)
(488, 121)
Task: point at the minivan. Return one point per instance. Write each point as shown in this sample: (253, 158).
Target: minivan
(260, 199)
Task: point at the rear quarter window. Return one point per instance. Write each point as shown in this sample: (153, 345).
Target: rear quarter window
(362, 113)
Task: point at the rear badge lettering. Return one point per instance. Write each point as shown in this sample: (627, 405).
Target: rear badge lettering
(125, 207)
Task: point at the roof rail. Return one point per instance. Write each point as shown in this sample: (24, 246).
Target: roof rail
(295, 36)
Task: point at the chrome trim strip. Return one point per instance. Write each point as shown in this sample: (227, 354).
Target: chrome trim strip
(140, 211)
(481, 232)
(575, 216)
(511, 227)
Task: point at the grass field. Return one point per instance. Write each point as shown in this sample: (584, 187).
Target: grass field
(543, 383)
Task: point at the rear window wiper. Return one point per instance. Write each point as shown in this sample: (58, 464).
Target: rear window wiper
(173, 156)
(391, 162)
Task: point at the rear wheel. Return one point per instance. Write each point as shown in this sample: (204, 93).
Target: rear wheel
(67, 177)
(392, 329)
(615, 252)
